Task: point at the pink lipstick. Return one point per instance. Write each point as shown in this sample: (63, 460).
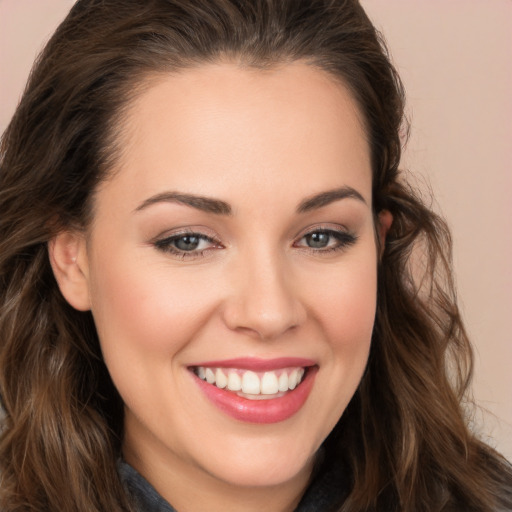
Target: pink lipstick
(256, 390)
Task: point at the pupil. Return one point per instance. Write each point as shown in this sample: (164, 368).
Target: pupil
(318, 240)
(187, 242)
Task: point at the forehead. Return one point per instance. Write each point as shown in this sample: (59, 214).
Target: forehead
(222, 127)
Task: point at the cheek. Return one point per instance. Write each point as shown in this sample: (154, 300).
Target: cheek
(345, 311)
(346, 305)
(149, 309)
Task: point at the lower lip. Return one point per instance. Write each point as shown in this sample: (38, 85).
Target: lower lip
(272, 410)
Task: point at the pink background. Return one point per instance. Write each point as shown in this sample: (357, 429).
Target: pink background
(455, 57)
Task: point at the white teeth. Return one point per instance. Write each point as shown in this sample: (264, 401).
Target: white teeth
(293, 379)
(283, 382)
(234, 381)
(210, 376)
(250, 383)
(258, 386)
(221, 381)
(269, 384)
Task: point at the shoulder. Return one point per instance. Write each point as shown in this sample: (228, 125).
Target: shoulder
(328, 489)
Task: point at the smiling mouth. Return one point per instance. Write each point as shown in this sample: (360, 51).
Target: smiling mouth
(252, 390)
(250, 384)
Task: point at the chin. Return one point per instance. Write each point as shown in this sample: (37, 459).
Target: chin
(262, 466)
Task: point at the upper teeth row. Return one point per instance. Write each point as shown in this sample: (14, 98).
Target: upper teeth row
(248, 382)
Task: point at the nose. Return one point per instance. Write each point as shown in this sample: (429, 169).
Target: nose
(264, 300)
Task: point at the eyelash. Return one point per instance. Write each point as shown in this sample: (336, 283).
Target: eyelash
(343, 239)
(166, 244)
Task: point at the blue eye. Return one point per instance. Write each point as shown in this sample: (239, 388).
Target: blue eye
(318, 240)
(326, 240)
(186, 244)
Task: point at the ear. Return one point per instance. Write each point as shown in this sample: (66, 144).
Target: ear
(385, 219)
(68, 258)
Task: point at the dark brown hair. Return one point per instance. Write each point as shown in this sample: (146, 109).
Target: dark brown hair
(403, 436)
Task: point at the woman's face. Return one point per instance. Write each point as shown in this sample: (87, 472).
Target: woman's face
(235, 241)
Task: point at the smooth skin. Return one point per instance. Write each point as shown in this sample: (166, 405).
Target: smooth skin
(258, 276)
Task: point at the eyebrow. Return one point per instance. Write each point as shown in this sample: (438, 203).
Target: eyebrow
(328, 197)
(219, 207)
(204, 204)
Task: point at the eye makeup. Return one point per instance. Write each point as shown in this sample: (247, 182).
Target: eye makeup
(194, 244)
(187, 244)
(327, 240)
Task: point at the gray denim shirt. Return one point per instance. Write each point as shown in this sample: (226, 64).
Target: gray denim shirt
(326, 492)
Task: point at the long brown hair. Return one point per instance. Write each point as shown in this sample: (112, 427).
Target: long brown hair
(404, 434)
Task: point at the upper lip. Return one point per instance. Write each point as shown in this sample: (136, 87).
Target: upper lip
(257, 364)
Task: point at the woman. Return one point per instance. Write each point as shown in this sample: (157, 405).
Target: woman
(208, 293)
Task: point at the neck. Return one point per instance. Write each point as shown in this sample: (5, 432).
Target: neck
(188, 488)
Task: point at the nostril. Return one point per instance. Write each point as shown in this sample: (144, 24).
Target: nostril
(263, 321)
(263, 302)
